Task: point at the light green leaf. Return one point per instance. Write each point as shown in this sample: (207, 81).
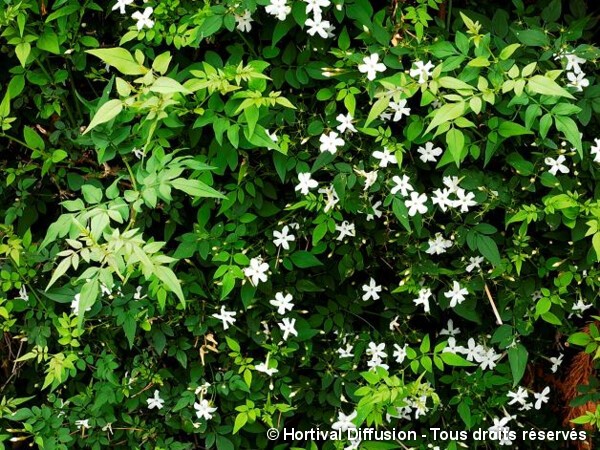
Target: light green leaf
(569, 128)
(545, 86)
(22, 50)
(169, 279)
(508, 51)
(455, 360)
(378, 107)
(507, 129)
(455, 140)
(120, 59)
(32, 139)
(166, 85)
(161, 63)
(108, 111)
(446, 113)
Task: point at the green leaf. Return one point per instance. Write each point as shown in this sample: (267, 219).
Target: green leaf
(517, 358)
(569, 128)
(168, 277)
(91, 194)
(455, 360)
(166, 85)
(304, 259)
(507, 129)
(581, 339)
(508, 51)
(488, 248)
(107, 112)
(87, 297)
(533, 38)
(446, 113)
(120, 59)
(455, 139)
(22, 50)
(545, 86)
(196, 188)
(32, 139)
(161, 62)
(240, 420)
(378, 107)
(48, 41)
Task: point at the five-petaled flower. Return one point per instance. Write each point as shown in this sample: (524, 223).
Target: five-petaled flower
(204, 410)
(288, 326)
(371, 290)
(385, 157)
(121, 4)
(556, 165)
(282, 238)
(429, 153)
(305, 183)
(143, 18)
(283, 303)
(227, 317)
(456, 294)
(330, 142)
(371, 66)
(156, 401)
(422, 70)
(416, 204)
(257, 271)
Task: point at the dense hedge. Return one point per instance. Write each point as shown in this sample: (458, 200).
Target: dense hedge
(223, 217)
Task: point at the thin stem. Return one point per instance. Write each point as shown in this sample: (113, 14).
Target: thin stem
(490, 298)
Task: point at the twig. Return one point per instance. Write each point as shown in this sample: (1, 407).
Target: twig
(489, 296)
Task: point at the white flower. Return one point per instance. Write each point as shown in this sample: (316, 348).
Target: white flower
(376, 362)
(474, 263)
(423, 71)
(345, 123)
(399, 109)
(82, 424)
(465, 200)
(450, 331)
(595, 150)
(441, 198)
(371, 290)
(423, 299)
(438, 245)
(23, 295)
(257, 271)
(473, 351)
(138, 153)
(288, 327)
(541, 398)
(305, 183)
(282, 238)
(385, 157)
(556, 362)
(283, 303)
(376, 212)
(264, 368)
(330, 143)
(121, 4)
(244, 21)
(573, 62)
(429, 153)
(536, 295)
(319, 27)
(143, 19)
(156, 401)
(577, 80)
(315, 6)
(420, 405)
(371, 66)
(416, 204)
(580, 307)
(273, 136)
(346, 229)
(279, 9)
(402, 184)
(456, 295)
(488, 359)
(370, 179)
(556, 165)
(452, 184)
(227, 317)
(451, 346)
(376, 350)
(344, 422)
(346, 352)
(519, 397)
(203, 409)
(400, 353)
(75, 304)
(332, 197)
